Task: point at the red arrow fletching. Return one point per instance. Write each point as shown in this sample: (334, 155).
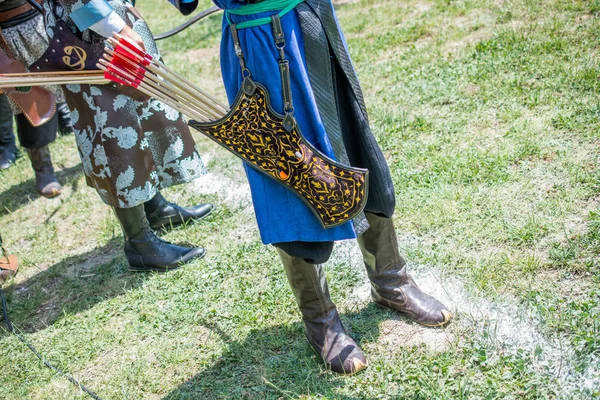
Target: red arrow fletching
(130, 45)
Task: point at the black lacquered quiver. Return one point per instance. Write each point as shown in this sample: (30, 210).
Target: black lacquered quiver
(255, 133)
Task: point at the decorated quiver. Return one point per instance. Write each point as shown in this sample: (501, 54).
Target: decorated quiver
(273, 144)
(255, 133)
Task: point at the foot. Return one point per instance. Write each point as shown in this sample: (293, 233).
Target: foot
(324, 329)
(411, 301)
(45, 180)
(146, 252)
(9, 266)
(169, 215)
(47, 185)
(8, 157)
(338, 350)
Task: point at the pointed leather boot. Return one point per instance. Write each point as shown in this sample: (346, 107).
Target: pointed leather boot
(163, 214)
(391, 285)
(324, 329)
(45, 180)
(65, 124)
(144, 250)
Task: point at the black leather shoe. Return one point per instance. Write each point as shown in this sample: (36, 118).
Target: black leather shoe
(144, 250)
(163, 214)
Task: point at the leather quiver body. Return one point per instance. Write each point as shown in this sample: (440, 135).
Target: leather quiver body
(254, 132)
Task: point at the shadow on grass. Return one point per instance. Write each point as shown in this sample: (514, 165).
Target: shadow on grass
(23, 193)
(277, 363)
(70, 286)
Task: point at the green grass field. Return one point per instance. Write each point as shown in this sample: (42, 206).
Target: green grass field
(488, 112)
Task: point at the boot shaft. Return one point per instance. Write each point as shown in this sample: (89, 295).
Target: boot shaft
(41, 159)
(391, 285)
(163, 214)
(144, 250)
(45, 180)
(155, 204)
(309, 286)
(133, 221)
(379, 246)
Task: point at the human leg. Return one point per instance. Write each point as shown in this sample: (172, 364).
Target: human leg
(323, 326)
(391, 285)
(144, 250)
(45, 180)
(163, 214)
(36, 140)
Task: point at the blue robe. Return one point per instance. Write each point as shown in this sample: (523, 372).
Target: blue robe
(281, 215)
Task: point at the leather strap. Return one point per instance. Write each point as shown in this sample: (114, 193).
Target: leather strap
(15, 12)
(284, 68)
(238, 51)
(284, 71)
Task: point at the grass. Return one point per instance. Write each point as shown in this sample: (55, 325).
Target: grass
(488, 114)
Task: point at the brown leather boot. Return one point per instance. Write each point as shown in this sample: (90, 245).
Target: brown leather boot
(391, 285)
(45, 180)
(324, 329)
(9, 264)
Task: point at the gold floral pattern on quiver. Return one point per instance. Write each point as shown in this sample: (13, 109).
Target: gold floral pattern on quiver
(254, 132)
